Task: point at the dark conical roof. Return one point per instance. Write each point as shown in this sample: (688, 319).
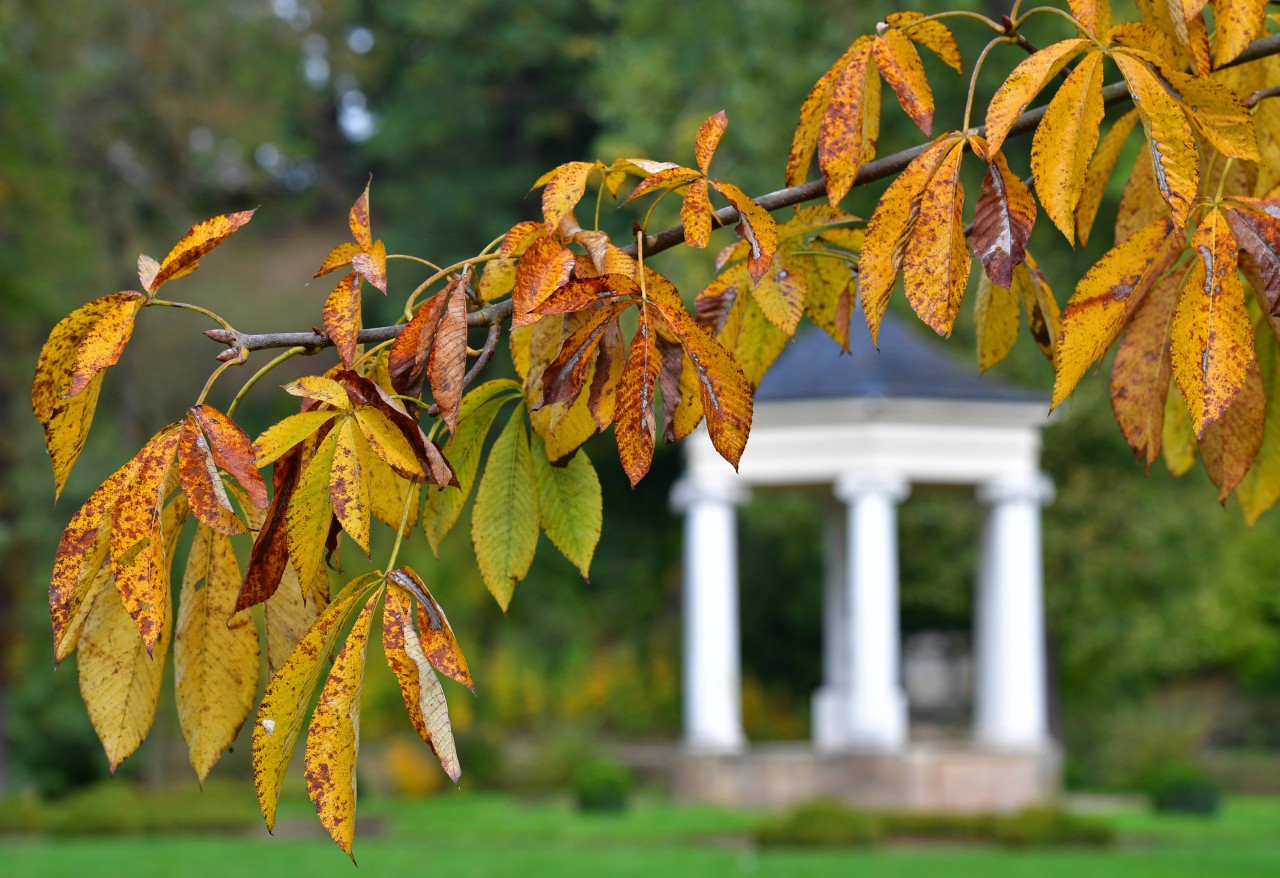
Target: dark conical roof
(908, 365)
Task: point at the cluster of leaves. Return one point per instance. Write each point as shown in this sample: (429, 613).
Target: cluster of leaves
(1197, 367)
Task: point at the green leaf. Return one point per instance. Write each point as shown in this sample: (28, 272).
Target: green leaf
(479, 409)
(504, 523)
(569, 504)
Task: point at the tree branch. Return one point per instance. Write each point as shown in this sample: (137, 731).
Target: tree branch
(872, 171)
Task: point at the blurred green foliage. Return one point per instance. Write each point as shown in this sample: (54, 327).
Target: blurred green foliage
(120, 124)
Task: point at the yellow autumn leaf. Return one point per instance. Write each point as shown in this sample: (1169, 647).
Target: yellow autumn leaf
(1105, 297)
(996, 316)
(1023, 84)
(935, 262)
(120, 676)
(1064, 142)
(1177, 440)
(1236, 23)
(81, 556)
(889, 227)
(215, 653)
(185, 256)
(1170, 143)
(284, 705)
(283, 435)
(933, 34)
(565, 186)
(1142, 370)
(1099, 173)
(1230, 444)
(333, 738)
(1212, 333)
(812, 111)
(349, 485)
(310, 512)
(1260, 488)
(289, 612)
(138, 553)
(321, 389)
(842, 134)
(900, 66)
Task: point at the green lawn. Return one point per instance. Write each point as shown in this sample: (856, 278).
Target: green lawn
(488, 836)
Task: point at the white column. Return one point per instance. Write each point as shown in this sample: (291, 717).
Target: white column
(830, 705)
(1010, 705)
(877, 714)
(712, 656)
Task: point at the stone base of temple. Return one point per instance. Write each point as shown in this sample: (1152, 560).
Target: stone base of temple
(924, 777)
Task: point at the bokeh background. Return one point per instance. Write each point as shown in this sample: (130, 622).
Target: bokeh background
(121, 124)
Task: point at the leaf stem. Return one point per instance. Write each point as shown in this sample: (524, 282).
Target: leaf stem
(404, 521)
(443, 272)
(184, 306)
(955, 13)
(370, 352)
(260, 374)
(1222, 181)
(973, 79)
(417, 259)
(599, 198)
(1018, 22)
(218, 371)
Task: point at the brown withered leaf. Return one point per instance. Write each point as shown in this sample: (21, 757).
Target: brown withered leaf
(448, 362)
(900, 66)
(365, 393)
(1002, 222)
(333, 738)
(185, 256)
(1142, 369)
(581, 294)
(1104, 299)
(611, 359)
(935, 263)
(342, 317)
(423, 696)
(138, 558)
(1230, 444)
(215, 653)
(231, 450)
(201, 482)
(1212, 332)
(724, 390)
(269, 557)
(545, 265)
(635, 425)
(1064, 142)
(411, 351)
(564, 377)
(1256, 226)
(438, 642)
